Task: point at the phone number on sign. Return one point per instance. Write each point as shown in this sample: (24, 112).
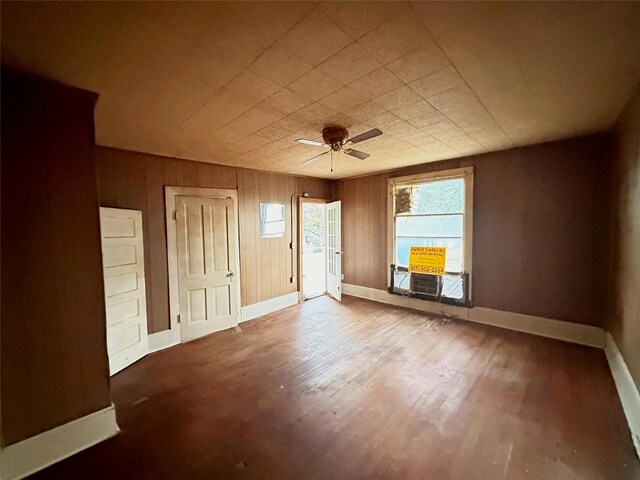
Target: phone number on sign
(425, 269)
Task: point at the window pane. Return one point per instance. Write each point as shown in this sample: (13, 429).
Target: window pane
(435, 231)
(452, 286)
(272, 220)
(436, 226)
(440, 196)
(453, 262)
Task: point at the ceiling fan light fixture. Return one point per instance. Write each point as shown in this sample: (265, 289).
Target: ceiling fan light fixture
(335, 138)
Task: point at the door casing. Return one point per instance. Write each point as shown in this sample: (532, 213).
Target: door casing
(172, 247)
(302, 200)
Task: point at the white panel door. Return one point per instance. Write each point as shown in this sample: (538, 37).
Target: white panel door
(334, 250)
(124, 288)
(207, 243)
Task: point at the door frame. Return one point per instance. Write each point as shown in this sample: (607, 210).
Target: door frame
(171, 193)
(302, 200)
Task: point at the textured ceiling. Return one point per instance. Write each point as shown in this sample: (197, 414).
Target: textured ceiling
(236, 82)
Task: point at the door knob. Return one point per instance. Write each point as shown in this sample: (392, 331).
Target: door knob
(338, 253)
(230, 274)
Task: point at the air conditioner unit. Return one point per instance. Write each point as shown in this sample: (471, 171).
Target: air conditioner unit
(426, 284)
(451, 288)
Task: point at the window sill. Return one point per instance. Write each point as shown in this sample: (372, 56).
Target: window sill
(446, 301)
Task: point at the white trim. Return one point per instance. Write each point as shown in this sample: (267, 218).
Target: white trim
(170, 194)
(627, 389)
(161, 340)
(545, 327)
(38, 452)
(466, 173)
(132, 353)
(268, 306)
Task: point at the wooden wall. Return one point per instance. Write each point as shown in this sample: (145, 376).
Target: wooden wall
(53, 347)
(364, 230)
(541, 217)
(624, 314)
(136, 181)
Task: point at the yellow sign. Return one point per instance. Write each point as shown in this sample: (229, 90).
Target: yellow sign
(427, 260)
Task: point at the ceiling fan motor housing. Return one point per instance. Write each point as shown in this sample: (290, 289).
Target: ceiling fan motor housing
(335, 137)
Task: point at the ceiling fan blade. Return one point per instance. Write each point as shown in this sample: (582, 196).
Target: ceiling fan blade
(313, 143)
(356, 153)
(365, 136)
(313, 159)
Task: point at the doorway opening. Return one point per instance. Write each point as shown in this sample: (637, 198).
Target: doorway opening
(313, 255)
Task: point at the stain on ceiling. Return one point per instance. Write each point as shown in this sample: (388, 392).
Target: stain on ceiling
(237, 83)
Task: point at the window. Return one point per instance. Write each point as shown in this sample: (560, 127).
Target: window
(272, 221)
(432, 210)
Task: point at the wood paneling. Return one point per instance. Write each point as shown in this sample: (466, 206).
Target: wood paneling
(364, 219)
(624, 315)
(541, 217)
(54, 355)
(136, 181)
(264, 262)
(360, 390)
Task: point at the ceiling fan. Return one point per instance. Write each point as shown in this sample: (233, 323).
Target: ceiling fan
(338, 137)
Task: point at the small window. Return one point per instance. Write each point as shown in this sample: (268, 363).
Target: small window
(272, 220)
(432, 210)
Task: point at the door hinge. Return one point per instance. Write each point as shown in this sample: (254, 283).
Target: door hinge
(175, 215)
(179, 318)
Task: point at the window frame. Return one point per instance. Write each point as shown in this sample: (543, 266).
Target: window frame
(467, 173)
(264, 224)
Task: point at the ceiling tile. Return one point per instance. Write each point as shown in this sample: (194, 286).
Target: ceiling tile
(400, 97)
(256, 119)
(349, 64)
(315, 38)
(462, 141)
(236, 37)
(287, 101)
(343, 100)
(239, 95)
(312, 114)
(358, 18)
(376, 83)
(279, 65)
(427, 119)
(462, 107)
(396, 37)
(413, 110)
(281, 128)
(315, 84)
(437, 82)
(366, 111)
(214, 70)
(418, 63)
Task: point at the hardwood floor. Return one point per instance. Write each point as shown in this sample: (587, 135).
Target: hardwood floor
(360, 390)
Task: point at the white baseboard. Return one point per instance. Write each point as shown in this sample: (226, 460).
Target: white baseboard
(545, 327)
(268, 306)
(627, 389)
(40, 451)
(164, 339)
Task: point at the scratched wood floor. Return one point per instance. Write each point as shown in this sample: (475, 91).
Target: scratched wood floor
(359, 390)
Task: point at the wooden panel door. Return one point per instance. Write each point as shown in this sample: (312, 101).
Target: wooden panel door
(334, 250)
(207, 244)
(124, 287)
